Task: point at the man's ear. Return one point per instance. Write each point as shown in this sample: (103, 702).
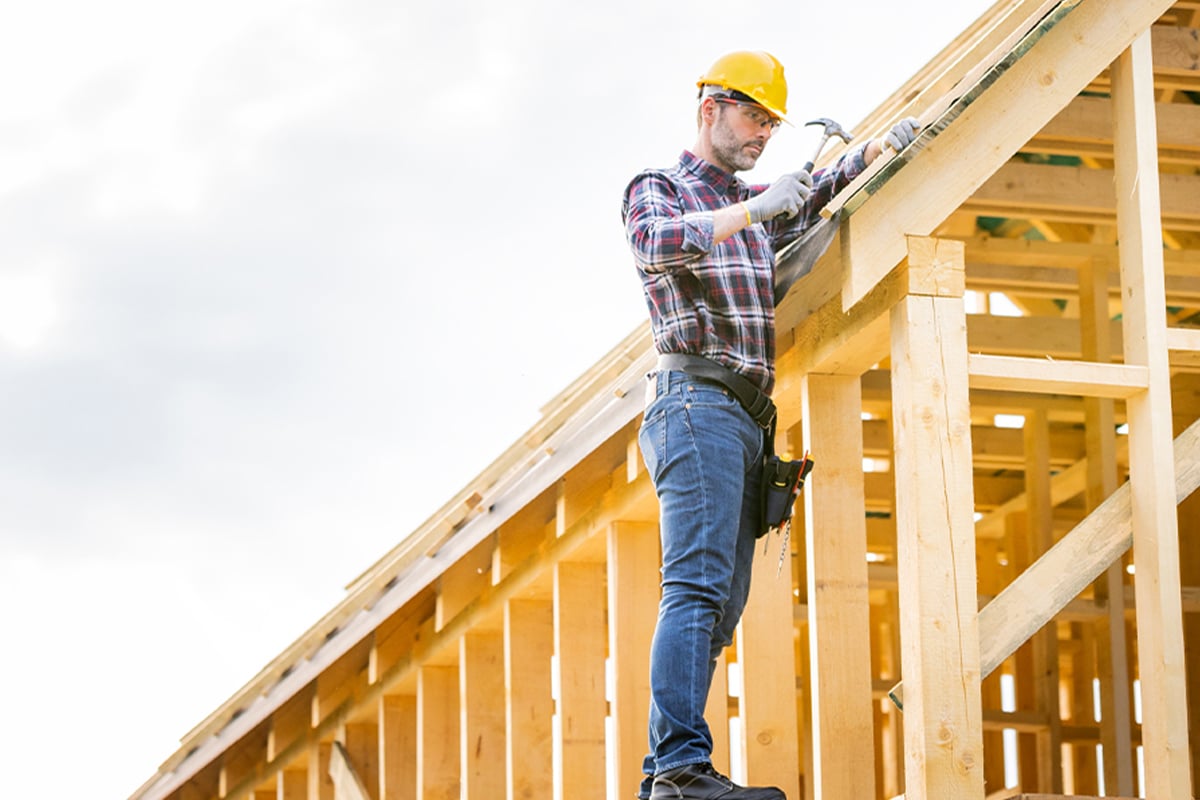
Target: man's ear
(707, 112)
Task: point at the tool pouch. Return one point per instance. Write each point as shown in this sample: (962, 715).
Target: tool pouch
(781, 485)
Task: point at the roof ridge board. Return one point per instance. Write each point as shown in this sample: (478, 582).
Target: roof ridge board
(939, 115)
(992, 33)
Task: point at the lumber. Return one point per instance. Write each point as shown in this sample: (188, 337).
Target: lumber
(1060, 574)
(838, 603)
(528, 651)
(580, 640)
(1076, 194)
(935, 538)
(985, 134)
(1155, 529)
(1048, 376)
(633, 594)
(482, 699)
(398, 747)
(346, 781)
(438, 774)
(771, 732)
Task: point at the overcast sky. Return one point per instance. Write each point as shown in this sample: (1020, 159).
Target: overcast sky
(277, 279)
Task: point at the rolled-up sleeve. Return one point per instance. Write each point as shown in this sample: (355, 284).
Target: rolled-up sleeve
(661, 235)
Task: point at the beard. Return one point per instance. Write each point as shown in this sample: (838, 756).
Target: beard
(734, 153)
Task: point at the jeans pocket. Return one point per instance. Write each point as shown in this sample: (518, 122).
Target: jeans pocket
(652, 441)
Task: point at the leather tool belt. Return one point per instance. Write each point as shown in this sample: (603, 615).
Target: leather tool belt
(782, 480)
(758, 405)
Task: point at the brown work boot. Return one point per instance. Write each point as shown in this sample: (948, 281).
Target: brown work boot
(702, 782)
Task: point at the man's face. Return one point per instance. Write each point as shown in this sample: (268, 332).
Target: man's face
(740, 133)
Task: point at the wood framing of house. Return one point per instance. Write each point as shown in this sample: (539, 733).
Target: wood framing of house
(1034, 255)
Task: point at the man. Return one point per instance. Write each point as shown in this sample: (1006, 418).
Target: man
(704, 243)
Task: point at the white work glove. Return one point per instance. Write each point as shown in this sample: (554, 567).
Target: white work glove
(785, 196)
(901, 134)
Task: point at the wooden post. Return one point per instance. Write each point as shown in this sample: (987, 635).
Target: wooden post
(481, 693)
(838, 603)
(291, 785)
(528, 648)
(633, 593)
(1112, 666)
(320, 785)
(347, 783)
(935, 529)
(767, 655)
(398, 747)
(361, 743)
(1151, 465)
(437, 733)
(579, 641)
(716, 714)
(1045, 642)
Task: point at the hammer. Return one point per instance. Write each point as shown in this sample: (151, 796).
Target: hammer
(831, 129)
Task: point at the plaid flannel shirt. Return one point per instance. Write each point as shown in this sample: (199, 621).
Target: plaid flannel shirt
(715, 301)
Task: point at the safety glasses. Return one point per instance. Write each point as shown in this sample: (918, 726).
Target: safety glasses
(757, 117)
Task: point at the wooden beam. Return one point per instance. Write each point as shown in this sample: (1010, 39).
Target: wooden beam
(398, 747)
(482, 700)
(347, 785)
(633, 594)
(1044, 655)
(580, 639)
(771, 737)
(984, 135)
(1041, 591)
(1183, 345)
(1085, 127)
(838, 603)
(1112, 665)
(528, 650)
(320, 784)
(360, 743)
(935, 535)
(1077, 194)
(438, 733)
(292, 784)
(1086, 378)
(1154, 518)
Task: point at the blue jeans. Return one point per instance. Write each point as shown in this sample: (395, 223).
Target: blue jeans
(704, 454)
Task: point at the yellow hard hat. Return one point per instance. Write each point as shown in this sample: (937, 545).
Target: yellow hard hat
(754, 73)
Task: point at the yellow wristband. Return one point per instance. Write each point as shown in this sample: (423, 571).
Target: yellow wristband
(749, 219)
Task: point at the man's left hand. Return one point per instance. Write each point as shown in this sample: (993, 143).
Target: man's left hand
(902, 134)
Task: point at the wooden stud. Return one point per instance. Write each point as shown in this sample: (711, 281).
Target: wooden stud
(320, 785)
(766, 655)
(438, 733)
(580, 639)
(292, 784)
(935, 541)
(528, 649)
(1044, 656)
(716, 714)
(360, 740)
(482, 700)
(347, 783)
(633, 594)
(1112, 670)
(1151, 469)
(838, 607)
(398, 747)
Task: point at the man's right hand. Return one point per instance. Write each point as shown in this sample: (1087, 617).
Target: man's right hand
(785, 196)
